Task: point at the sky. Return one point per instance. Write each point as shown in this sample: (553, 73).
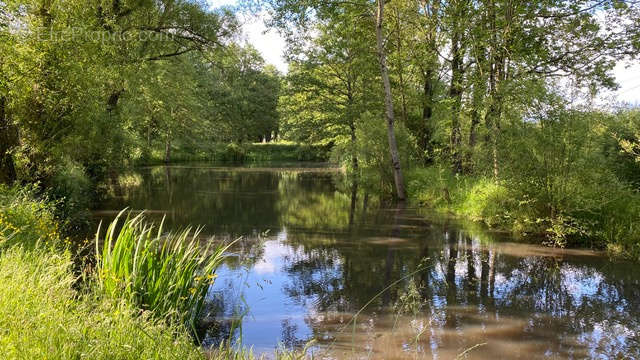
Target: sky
(271, 45)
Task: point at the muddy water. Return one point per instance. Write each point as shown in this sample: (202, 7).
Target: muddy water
(422, 286)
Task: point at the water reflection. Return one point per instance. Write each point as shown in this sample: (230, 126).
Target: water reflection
(328, 253)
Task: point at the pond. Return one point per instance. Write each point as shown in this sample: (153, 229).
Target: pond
(311, 256)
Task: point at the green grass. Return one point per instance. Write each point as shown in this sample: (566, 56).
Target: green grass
(476, 198)
(168, 274)
(25, 219)
(43, 317)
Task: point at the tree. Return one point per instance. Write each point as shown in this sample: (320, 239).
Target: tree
(388, 103)
(243, 94)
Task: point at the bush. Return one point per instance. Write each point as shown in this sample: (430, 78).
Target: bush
(286, 152)
(71, 190)
(25, 219)
(232, 152)
(477, 198)
(372, 150)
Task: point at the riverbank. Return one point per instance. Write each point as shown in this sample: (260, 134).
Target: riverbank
(605, 218)
(48, 310)
(242, 153)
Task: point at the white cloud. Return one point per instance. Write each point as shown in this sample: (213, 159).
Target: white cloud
(270, 44)
(218, 3)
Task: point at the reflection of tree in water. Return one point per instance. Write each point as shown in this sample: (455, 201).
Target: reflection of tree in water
(476, 294)
(215, 326)
(347, 251)
(288, 337)
(222, 315)
(237, 201)
(344, 271)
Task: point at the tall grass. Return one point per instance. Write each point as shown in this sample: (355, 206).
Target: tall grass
(167, 274)
(42, 316)
(26, 219)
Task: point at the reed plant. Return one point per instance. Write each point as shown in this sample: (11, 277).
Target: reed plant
(166, 274)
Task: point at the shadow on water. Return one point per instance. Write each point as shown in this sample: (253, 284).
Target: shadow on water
(315, 252)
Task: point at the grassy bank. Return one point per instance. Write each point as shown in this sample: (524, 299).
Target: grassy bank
(43, 317)
(137, 302)
(246, 152)
(584, 214)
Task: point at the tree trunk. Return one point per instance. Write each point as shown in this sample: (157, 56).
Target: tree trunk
(8, 139)
(431, 11)
(388, 101)
(167, 148)
(478, 94)
(496, 64)
(352, 128)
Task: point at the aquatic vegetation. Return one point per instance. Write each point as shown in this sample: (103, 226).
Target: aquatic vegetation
(167, 274)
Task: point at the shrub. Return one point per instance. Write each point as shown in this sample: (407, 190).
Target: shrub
(372, 150)
(26, 219)
(233, 152)
(71, 191)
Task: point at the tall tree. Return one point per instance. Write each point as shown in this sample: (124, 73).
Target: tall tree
(388, 102)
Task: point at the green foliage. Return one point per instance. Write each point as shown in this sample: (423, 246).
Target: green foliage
(246, 152)
(242, 94)
(286, 152)
(584, 205)
(72, 191)
(621, 145)
(168, 274)
(25, 219)
(232, 152)
(476, 198)
(371, 150)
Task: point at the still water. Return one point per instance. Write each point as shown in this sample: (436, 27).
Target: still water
(311, 256)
